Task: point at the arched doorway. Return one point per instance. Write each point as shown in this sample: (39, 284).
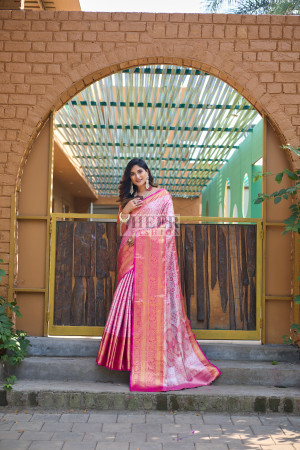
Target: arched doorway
(49, 209)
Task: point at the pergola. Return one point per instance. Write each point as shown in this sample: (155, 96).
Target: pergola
(183, 122)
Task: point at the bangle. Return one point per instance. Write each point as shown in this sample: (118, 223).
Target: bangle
(123, 220)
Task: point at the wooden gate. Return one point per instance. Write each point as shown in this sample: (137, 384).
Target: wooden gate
(220, 271)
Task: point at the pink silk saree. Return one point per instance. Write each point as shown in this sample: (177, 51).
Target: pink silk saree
(147, 330)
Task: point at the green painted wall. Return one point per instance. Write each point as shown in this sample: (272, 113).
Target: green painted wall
(240, 163)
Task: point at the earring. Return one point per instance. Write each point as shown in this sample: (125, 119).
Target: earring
(131, 188)
(147, 182)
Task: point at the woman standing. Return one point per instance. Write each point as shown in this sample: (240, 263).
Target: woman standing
(147, 331)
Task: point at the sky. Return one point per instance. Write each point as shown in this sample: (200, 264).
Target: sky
(167, 6)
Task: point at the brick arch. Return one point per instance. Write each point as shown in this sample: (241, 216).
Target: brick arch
(223, 65)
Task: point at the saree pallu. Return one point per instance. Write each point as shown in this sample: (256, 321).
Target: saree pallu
(164, 354)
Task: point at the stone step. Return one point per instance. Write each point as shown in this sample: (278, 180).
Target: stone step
(112, 396)
(51, 346)
(261, 373)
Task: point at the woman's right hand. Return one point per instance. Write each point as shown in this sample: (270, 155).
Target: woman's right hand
(131, 205)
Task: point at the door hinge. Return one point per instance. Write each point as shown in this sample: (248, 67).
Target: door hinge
(262, 234)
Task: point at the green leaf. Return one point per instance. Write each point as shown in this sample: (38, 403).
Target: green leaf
(257, 177)
(278, 177)
(290, 174)
(297, 299)
(259, 200)
(277, 200)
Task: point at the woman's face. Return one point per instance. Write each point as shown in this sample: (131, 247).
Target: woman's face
(138, 175)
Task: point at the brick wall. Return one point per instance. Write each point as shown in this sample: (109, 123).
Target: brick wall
(47, 57)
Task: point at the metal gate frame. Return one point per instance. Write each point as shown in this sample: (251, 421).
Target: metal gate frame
(68, 330)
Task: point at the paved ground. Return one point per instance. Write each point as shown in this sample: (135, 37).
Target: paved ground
(126, 430)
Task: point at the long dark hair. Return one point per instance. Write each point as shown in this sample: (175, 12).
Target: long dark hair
(125, 183)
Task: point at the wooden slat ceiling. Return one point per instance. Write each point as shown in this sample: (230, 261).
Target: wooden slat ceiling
(183, 122)
(52, 5)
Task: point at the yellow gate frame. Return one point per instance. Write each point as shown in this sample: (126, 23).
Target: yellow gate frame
(68, 330)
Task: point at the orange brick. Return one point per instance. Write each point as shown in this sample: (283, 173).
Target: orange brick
(249, 56)
(132, 26)
(264, 32)
(23, 89)
(75, 26)
(38, 47)
(87, 47)
(4, 201)
(97, 26)
(287, 32)
(276, 32)
(286, 67)
(38, 25)
(39, 79)
(284, 46)
(287, 77)
(132, 37)
(145, 17)
(21, 112)
(234, 18)
(219, 18)
(89, 35)
(107, 36)
(45, 36)
(227, 47)
(5, 57)
(195, 31)
(230, 31)
(261, 45)
(266, 77)
(289, 88)
(285, 56)
(251, 19)
(241, 46)
(38, 68)
(53, 69)
(263, 56)
(132, 17)
(18, 67)
(38, 89)
(120, 16)
(266, 67)
(111, 26)
(242, 32)
(5, 36)
(39, 57)
(60, 47)
(263, 19)
(159, 30)
(76, 15)
(207, 31)
(60, 36)
(219, 31)
(20, 25)
(17, 46)
(183, 30)
(53, 26)
(176, 17)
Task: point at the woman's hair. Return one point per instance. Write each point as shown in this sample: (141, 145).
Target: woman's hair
(125, 183)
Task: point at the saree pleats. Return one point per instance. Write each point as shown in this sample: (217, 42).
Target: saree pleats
(114, 350)
(147, 331)
(148, 348)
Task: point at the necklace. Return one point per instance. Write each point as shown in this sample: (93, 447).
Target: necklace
(142, 196)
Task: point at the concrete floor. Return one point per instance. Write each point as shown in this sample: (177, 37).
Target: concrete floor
(38, 429)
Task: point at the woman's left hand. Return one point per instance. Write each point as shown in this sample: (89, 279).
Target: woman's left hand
(130, 241)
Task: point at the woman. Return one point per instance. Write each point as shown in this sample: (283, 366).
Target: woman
(147, 331)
